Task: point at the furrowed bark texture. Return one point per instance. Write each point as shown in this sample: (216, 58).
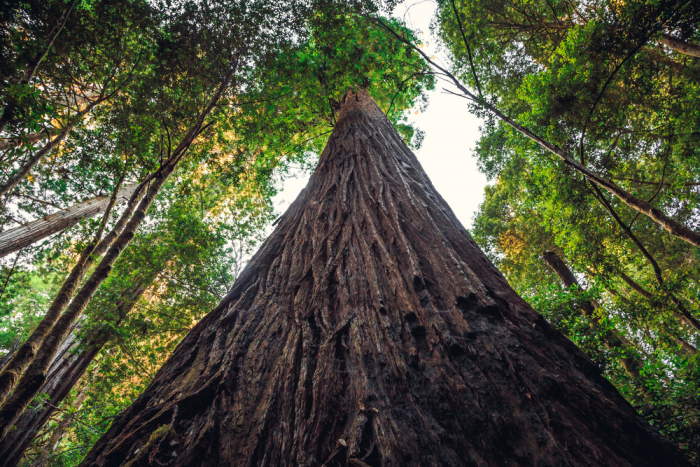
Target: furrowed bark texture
(63, 374)
(370, 330)
(16, 239)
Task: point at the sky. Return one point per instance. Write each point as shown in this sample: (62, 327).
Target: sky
(450, 130)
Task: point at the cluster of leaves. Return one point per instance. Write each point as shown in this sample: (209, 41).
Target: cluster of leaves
(597, 80)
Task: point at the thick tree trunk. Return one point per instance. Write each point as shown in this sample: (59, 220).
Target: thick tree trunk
(613, 339)
(370, 330)
(65, 371)
(18, 238)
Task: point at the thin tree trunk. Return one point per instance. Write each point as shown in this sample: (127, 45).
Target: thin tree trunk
(370, 330)
(31, 138)
(6, 358)
(25, 235)
(65, 371)
(60, 430)
(9, 109)
(613, 339)
(675, 228)
(27, 352)
(680, 46)
(683, 314)
(35, 374)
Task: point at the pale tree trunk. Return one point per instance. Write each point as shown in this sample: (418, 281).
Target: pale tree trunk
(63, 374)
(679, 46)
(12, 372)
(613, 339)
(370, 330)
(25, 235)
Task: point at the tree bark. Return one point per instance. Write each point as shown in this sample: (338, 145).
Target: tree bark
(613, 339)
(20, 237)
(370, 330)
(63, 374)
(28, 351)
(35, 374)
(680, 46)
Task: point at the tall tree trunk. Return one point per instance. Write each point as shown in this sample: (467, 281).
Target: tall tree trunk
(65, 371)
(16, 239)
(34, 376)
(370, 330)
(613, 339)
(27, 352)
(680, 46)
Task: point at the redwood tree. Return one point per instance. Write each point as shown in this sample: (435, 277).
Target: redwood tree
(371, 330)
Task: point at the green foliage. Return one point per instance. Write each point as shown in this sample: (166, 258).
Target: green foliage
(594, 79)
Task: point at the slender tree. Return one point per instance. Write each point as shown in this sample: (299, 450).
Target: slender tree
(370, 330)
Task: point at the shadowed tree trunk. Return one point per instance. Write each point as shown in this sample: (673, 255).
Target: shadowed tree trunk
(18, 238)
(612, 337)
(370, 330)
(64, 373)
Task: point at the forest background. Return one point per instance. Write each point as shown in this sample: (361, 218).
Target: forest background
(178, 118)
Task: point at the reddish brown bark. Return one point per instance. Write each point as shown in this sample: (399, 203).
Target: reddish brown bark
(370, 330)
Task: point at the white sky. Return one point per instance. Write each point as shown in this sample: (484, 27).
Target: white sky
(451, 133)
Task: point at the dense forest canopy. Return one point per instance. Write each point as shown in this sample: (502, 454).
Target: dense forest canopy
(199, 107)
